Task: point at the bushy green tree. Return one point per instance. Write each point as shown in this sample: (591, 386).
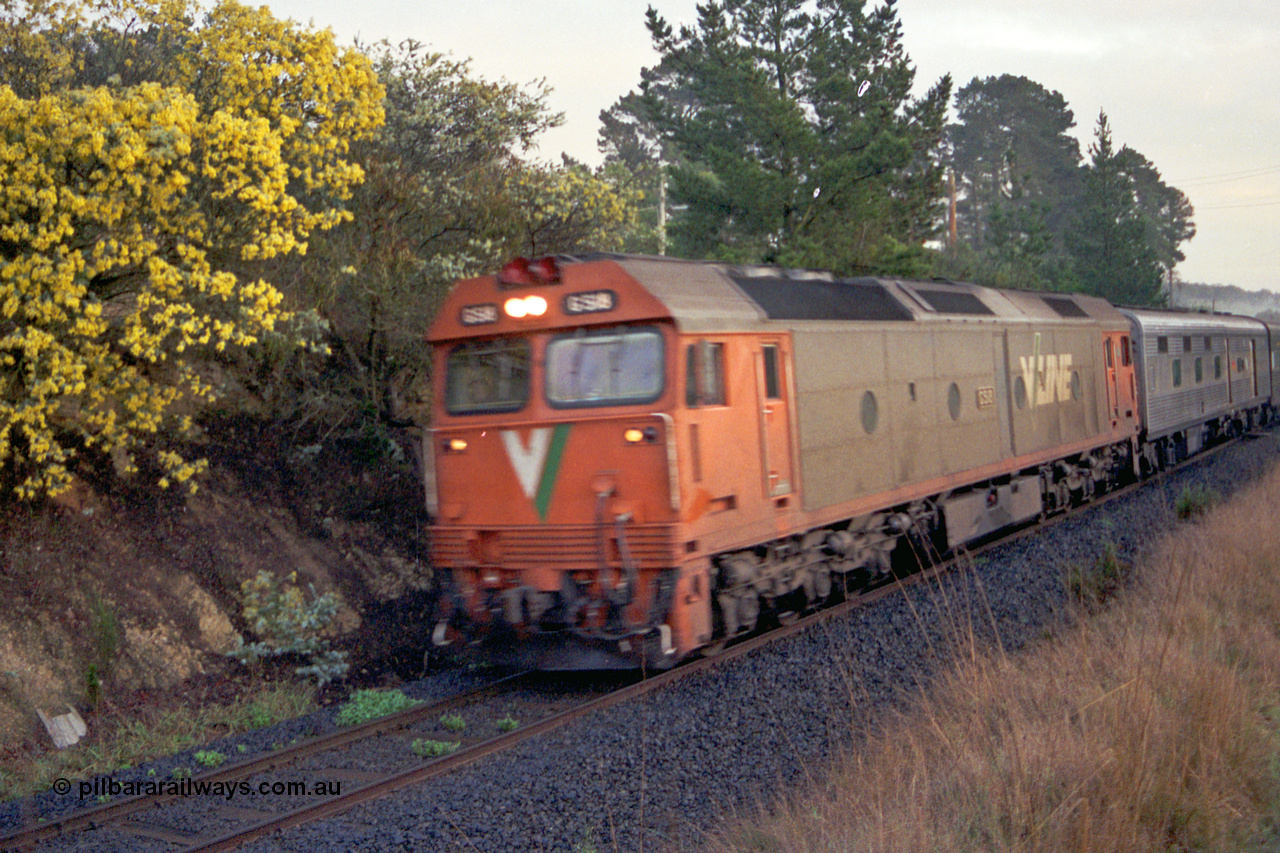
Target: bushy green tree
(1112, 255)
(791, 133)
(1014, 158)
(451, 191)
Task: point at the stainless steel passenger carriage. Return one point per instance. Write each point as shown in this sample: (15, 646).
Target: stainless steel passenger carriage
(1199, 376)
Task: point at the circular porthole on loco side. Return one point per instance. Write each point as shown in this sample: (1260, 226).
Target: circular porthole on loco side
(870, 412)
(953, 401)
(1020, 393)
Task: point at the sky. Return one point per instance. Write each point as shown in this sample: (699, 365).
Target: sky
(1192, 85)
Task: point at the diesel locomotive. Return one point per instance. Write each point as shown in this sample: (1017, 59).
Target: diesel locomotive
(634, 459)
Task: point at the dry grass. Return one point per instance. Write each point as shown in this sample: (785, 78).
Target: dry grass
(1150, 726)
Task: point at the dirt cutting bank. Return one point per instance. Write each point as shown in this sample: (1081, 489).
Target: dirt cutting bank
(113, 592)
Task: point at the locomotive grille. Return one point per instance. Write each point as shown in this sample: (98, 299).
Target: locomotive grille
(561, 546)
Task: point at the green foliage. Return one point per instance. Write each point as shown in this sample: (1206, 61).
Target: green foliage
(453, 722)
(1031, 215)
(508, 724)
(1017, 177)
(210, 758)
(1108, 241)
(1092, 585)
(365, 705)
(288, 624)
(449, 193)
(790, 133)
(1195, 501)
(432, 748)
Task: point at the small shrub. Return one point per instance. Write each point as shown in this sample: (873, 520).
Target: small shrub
(1195, 501)
(432, 748)
(365, 705)
(453, 722)
(289, 624)
(508, 724)
(210, 758)
(1092, 585)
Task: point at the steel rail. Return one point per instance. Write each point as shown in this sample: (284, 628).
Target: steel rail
(98, 816)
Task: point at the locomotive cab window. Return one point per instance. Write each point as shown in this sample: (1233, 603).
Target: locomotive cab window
(771, 385)
(704, 374)
(616, 366)
(487, 376)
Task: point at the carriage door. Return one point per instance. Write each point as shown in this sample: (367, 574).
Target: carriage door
(1253, 364)
(772, 376)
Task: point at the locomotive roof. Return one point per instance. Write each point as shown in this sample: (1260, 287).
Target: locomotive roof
(711, 296)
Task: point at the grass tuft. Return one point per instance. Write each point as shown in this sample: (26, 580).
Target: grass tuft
(365, 705)
(432, 748)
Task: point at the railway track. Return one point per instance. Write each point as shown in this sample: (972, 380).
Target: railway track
(129, 821)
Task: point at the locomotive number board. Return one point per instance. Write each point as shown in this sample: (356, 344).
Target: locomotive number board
(590, 302)
(478, 315)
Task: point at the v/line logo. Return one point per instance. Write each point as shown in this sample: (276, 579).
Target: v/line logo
(537, 463)
(1047, 377)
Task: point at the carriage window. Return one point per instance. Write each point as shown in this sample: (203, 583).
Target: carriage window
(1177, 372)
(1186, 344)
(1162, 344)
(487, 376)
(610, 367)
(1199, 371)
(704, 374)
(1217, 367)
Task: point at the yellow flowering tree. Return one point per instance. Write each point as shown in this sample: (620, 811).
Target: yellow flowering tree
(153, 159)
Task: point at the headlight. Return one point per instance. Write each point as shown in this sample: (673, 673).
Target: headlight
(519, 307)
(635, 435)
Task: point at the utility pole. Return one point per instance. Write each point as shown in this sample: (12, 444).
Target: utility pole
(951, 214)
(662, 208)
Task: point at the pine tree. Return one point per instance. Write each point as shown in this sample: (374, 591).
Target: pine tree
(1111, 254)
(792, 134)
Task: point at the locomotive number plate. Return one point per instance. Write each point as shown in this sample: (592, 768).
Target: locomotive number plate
(986, 397)
(590, 302)
(478, 315)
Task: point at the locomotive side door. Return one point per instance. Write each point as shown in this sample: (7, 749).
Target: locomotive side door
(773, 393)
(1113, 385)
